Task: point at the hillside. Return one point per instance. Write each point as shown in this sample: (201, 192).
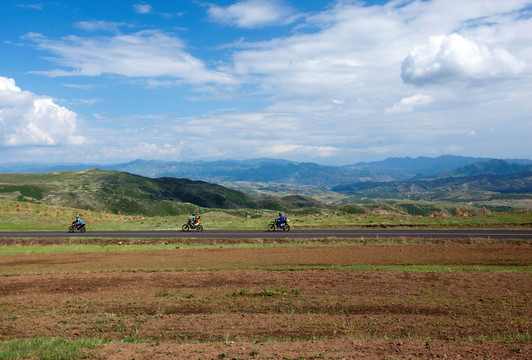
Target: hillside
(407, 167)
(126, 193)
(483, 186)
(494, 166)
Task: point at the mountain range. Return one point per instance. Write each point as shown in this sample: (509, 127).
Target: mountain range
(287, 172)
(166, 188)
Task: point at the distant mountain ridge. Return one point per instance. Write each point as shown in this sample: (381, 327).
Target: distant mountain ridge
(409, 167)
(287, 172)
(128, 193)
(495, 166)
(490, 179)
(480, 186)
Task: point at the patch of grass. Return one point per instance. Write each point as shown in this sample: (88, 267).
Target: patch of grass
(77, 245)
(62, 249)
(241, 292)
(29, 191)
(49, 349)
(435, 268)
(274, 291)
(404, 268)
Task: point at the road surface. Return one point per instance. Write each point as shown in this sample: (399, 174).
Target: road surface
(250, 234)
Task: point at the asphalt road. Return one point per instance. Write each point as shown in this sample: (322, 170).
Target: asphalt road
(263, 234)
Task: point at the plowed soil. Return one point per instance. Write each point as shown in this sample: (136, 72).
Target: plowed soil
(244, 303)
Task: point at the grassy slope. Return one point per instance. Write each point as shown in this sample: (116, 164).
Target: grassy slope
(15, 216)
(125, 193)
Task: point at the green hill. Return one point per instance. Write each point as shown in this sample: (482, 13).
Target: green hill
(120, 192)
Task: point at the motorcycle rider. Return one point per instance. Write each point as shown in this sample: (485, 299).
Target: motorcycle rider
(193, 219)
(78, 222)
(281, 220)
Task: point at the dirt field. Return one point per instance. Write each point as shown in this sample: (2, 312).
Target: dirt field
(242, 303)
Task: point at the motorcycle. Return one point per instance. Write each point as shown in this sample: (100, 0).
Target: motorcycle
(73, 227)
(284, 226)
(188, 225)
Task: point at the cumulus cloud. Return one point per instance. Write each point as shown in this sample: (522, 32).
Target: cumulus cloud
(325, 81)
(341, 57)
(454, 57)
(407, 104)
(252, 13)
(142, 54)
(30, 119)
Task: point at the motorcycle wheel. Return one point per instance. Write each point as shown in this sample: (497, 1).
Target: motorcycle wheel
(185, 227)
(286, 227)
(199, 228)
(70, 229)
(83, 229)
(271, 227)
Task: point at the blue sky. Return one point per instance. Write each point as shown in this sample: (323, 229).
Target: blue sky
(333, 82)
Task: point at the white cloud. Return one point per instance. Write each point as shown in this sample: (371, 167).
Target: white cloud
(454, 57)
(252, 13)
(85, 86)
(333, 85)
(98, 25)
(354, 53)
(142, 8)
(291, 149)
(142, 54)
(143, 150)
(407, 104)
(31, 6)
(30, 119)
(347, 53)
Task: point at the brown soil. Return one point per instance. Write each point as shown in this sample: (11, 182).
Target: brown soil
(244, 311)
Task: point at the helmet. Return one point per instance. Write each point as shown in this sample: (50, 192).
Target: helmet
(77, 217)
(280, 213)
(193, 214)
